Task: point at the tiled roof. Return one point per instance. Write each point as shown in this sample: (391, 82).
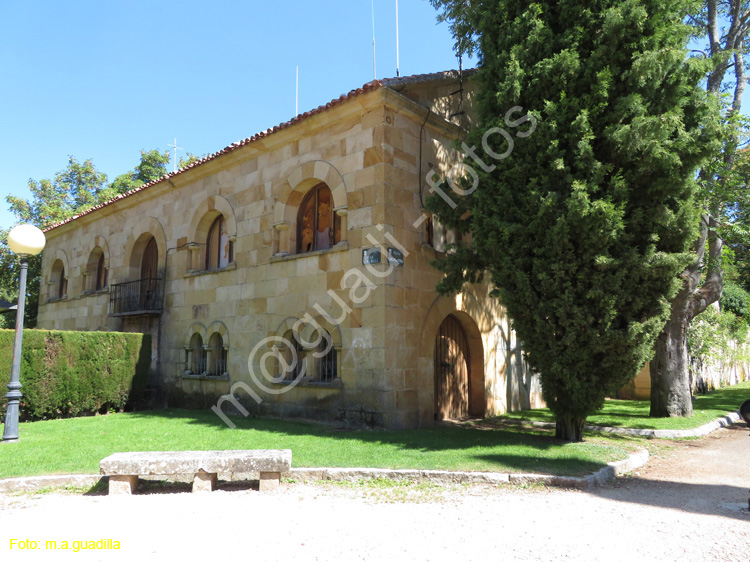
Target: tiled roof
(370, 86)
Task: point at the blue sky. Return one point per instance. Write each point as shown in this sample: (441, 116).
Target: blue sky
(103, 80)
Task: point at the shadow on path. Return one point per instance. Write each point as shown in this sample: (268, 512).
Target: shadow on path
(706, 476)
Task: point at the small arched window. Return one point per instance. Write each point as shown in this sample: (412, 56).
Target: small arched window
(58, 282)
(326, 366)
(429, 231)
(96, 271)
(219, 248)
(318, 227)
(293, 363)
(218, 356)
(198, 355)
(101, 274)
(62, 287)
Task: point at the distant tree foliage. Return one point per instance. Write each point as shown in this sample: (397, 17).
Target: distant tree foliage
(584, 228)
(76, 189)
(153, 165)
(188, 160)
(721, 28)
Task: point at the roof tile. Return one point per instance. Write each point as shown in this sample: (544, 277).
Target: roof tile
(373, 85)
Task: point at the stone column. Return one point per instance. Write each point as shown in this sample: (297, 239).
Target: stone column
(343, 212)
(194, 256)
(284, 238)
(226, 362)
(206, 369)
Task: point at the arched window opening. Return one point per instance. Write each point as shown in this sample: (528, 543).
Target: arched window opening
(62, 287)
(318, 227)
(429, 231)
(219, 248)
(95, 276)
(326, 365)
(218, 359)
(101, 274)
(292, 366)
(58, 283)
(197, 363)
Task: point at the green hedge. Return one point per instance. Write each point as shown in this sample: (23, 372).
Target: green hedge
(68, 374)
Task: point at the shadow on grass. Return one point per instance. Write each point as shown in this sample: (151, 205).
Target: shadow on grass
(99, 489)
(634, 414)
(529, 450)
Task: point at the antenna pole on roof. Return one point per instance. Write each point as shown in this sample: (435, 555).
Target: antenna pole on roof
(174, 159)
(296, 95)
(397, 65)
(374, 67)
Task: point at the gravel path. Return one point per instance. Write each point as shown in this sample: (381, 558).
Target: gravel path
(690, 504)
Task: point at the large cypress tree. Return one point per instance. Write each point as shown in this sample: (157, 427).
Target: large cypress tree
(585, 227)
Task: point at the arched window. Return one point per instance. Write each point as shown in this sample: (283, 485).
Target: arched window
(101, 274)
(62, 288)
(318, 227)
(198, 363)
(219, 248)
(96, 271)
(218, 358)
(293, 365)
(58, 282)
(326, 364)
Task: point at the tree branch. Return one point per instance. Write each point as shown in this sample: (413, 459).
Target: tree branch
(710, 291)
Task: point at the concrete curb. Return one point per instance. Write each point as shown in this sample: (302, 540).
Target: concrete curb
(605, 474)
(704, 429)
(35, 483)
(609, 472)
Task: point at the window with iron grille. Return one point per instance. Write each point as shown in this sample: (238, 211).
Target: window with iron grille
(198, 355)
(218, 364)
(326, 364)
(292, 364)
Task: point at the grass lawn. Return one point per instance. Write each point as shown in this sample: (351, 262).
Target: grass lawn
(77, 445)
(634, 413)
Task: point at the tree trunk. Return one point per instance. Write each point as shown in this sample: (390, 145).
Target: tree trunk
(569, 428)
(670, 367)
(670, 375)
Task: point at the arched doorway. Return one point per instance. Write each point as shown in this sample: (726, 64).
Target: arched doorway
(452, 370)
(150, 260)
(149, 292)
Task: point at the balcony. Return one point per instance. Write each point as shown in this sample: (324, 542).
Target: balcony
(143, 296)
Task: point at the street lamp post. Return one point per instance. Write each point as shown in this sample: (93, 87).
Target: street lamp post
(25, 240)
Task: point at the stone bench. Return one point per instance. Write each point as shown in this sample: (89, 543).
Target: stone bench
(123, 469)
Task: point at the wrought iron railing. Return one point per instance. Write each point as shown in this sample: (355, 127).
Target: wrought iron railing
(136, 297)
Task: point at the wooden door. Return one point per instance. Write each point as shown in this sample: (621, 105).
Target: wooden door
(150, 261)
(149, 272)
(451, 371)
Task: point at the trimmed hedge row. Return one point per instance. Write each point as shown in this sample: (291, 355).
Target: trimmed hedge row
(67, 374)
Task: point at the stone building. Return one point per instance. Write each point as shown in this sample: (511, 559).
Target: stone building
(291, 271)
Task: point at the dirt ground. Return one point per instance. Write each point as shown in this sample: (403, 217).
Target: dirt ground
(688, 504)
